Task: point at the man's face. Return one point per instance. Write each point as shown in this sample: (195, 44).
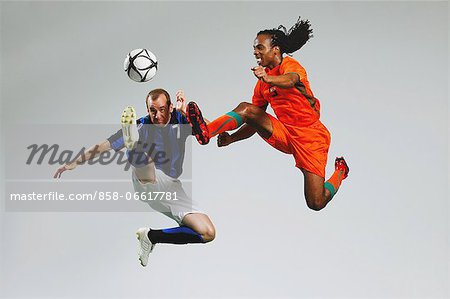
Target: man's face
(158, 110)
(264, 52)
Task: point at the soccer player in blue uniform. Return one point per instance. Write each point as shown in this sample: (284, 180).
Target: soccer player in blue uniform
(161, 131)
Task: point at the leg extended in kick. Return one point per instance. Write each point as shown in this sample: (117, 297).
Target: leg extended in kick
(143, 166)
(247, 113)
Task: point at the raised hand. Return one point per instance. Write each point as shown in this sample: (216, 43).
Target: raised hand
(260, 73)
(181, 103)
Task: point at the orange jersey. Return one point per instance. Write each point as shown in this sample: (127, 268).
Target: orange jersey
(297, 129)
(295, 106)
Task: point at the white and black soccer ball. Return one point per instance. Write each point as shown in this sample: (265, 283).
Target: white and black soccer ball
(140, 65)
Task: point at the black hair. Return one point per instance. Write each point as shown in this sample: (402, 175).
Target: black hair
(292, 40)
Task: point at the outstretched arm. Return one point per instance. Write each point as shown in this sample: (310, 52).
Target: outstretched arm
(89, 154)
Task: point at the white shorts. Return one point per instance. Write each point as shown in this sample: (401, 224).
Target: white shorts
(171, 200)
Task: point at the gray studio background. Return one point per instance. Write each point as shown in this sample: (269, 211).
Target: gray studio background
(381, 73)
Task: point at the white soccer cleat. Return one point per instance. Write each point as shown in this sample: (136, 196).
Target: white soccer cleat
(146, 246)
(129, 127)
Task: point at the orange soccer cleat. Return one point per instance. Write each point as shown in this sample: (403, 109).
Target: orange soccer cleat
(341, 165)
(198, 124)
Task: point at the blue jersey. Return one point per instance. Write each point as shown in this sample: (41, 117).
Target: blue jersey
(170, 140)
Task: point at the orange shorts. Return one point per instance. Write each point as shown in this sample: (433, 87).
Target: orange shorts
(309, 145)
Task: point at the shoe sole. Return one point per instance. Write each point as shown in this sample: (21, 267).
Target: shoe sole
(199, 127)
(129, 129)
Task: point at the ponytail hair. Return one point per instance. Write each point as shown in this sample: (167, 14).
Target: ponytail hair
(292, 40)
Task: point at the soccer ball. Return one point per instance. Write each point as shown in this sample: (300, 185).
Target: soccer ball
(140, 65)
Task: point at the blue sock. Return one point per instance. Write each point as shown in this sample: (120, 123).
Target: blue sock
(175, 235)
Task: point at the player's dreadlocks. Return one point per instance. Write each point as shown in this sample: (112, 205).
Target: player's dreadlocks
(292, 40)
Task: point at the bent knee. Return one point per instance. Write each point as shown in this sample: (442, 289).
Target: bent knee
(316, 203)
(247, 110)
(243, 106)
(208, 234)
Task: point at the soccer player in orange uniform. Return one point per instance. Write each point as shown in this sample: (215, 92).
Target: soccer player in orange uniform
(296, 129)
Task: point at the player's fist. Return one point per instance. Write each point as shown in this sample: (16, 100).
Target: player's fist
(181, 103)
(260, 73)
(224, 139)
(63, 168)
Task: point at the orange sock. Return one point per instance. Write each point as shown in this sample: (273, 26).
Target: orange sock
(227, 122)
(334, 182)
